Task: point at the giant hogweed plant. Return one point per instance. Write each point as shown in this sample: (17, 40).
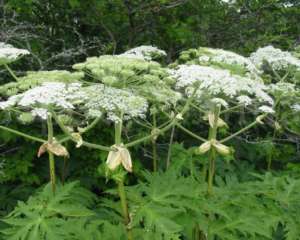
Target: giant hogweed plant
(116, 102)
(122, 88)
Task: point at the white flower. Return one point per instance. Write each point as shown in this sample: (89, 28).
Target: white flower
(216, 55)
(10, 102)
(143, 52)
(218, 83)
(114, 102)
(220, 101)
(49, 94)
(40, 112)
(296, 107)
(204, 58)
(9, 54)
(266, 109)
(276, 58)
(245, 100)
(283, 88)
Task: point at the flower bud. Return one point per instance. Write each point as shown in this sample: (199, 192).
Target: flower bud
(204, 147)
(221, 148)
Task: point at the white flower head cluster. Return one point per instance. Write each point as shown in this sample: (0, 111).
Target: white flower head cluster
(296, 107)
(114, 102)
(228, 1)
(244, 100)
(144, 52)
(282, 88)
(219, 83)
(275, 57)
(228, 57)
(9, 54)
(220, 101)
(266, 109)
(49, 94)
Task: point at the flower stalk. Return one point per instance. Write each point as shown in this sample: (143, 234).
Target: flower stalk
(154, 146)
(212, 152)
(120, 183)
(50, 154)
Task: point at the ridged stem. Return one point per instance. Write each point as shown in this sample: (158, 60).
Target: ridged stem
(51, 156)
(121, 188)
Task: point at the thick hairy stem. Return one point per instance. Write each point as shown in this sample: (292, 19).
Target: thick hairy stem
(211, 170)
(170, 147)
(154, 146)
(52, 172)
(212, 152)
(51, 156)
(121, 189)
(124, 205)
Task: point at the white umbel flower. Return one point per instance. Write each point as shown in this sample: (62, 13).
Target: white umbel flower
(144, 52)
(216, 55)
(217, 82)
(114, 102)
(244, 100)
(50, 94)
(266, 109)
(277, 59)
(220, 101)
(9, 54)
(296, 107)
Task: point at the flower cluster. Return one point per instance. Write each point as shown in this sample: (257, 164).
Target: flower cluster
(144, 52)
(266, 109)
(9, 54)
(146, 78)
(276, 58)
(114, 102)
(296, 107)
(219, 58)
(214, 82)
(213, 55)
(282, 88)
(48, 95)
(33, 79)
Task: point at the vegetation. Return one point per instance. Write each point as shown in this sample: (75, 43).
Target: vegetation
(109, 137)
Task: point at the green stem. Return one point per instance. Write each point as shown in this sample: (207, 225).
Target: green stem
(190, 133)
(121, 188)
(84, 143)
(212, 152)
(36, 139)
(154, 146)
(211, 170)
(168, 126)
(241, 130)
(11, 72)
(170, 147)
(51, 156)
